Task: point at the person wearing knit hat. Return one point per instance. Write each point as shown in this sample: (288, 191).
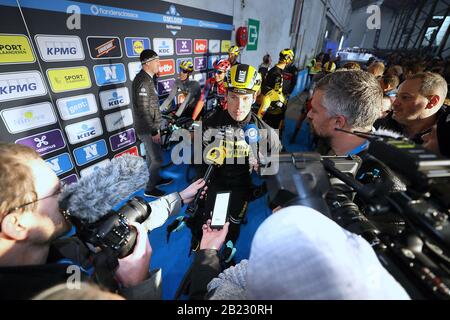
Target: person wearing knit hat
(299, 254)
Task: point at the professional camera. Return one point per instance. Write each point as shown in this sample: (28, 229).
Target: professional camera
(408, 228)
(113, 230)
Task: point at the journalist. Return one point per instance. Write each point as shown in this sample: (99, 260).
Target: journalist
(299, 254)
(418, 107)
(32, 257)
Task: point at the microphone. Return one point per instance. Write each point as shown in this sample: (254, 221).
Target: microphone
(215, 157)
(252, 138)
(93, 196)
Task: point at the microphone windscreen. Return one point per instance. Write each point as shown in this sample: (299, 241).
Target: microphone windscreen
(93, 196)
(251, 134)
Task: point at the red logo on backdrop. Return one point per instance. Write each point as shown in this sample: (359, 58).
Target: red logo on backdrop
(167, 67)
(132, 151)
(200, 46)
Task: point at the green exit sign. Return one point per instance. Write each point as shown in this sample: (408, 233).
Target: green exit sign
(253, 35)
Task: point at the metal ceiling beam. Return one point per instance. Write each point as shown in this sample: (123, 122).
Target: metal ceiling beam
(399, 25)
(409, 11)
(419, 11)
(433, 38)
(423, 31)
(396, 19)
(444, 42)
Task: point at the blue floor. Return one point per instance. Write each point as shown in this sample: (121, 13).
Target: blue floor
(172, 257)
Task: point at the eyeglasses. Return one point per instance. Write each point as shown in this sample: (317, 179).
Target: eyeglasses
(56, 193)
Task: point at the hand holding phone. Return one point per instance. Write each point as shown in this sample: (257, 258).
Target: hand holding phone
(220, 213)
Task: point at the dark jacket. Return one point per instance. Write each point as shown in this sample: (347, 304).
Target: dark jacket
(390, 124)
(238, 173)
(25, 282)
(206, 266)
(273, 80)
(146, 113)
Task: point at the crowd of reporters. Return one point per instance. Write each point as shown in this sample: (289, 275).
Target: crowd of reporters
(297, 253)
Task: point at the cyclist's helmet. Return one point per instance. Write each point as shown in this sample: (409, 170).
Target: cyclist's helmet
(222, 65)
(234, 51)
(187, 66)
(243, 78)
(287, 55)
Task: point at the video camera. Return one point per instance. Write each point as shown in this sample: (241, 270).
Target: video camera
(408, 228)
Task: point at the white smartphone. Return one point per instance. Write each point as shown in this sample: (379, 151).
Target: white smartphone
(220, 213)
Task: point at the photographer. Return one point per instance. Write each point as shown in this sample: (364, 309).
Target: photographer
(344, 102)
(32, 258)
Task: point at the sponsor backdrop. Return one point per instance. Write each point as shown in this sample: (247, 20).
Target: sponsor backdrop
(66, 69)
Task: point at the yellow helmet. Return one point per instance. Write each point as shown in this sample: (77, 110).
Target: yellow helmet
(234, 51)
(187, 66)
(287, 55)
(258, 82)
(243, 78)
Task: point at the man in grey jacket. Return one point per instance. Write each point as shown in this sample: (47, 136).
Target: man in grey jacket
(147, 120)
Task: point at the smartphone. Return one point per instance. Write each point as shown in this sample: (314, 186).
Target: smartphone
(220, 213)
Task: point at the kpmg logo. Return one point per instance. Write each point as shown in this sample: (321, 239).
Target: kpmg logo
(60, 164)
(75, 107)
(45, 142)
(200, 63)
(28, 117)
(119, 120)
(90, 152)
(165, 86)
(133, 69)
(114, 98)
(183, 46)
(107, 74)
(59, 48)
(163, 46)
(214, 46)
(134, 46)
(21, 85)
(122, 139)
(89, 170)
(83, 131)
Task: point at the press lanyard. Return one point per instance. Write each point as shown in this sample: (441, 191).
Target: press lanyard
(357, 150)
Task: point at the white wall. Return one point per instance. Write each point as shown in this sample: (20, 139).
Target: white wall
(274, 16)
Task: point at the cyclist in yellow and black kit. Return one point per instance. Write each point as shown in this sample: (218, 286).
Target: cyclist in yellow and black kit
(274, 102)
(233, 55)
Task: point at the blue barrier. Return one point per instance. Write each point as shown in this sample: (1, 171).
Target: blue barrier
(302, 83)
